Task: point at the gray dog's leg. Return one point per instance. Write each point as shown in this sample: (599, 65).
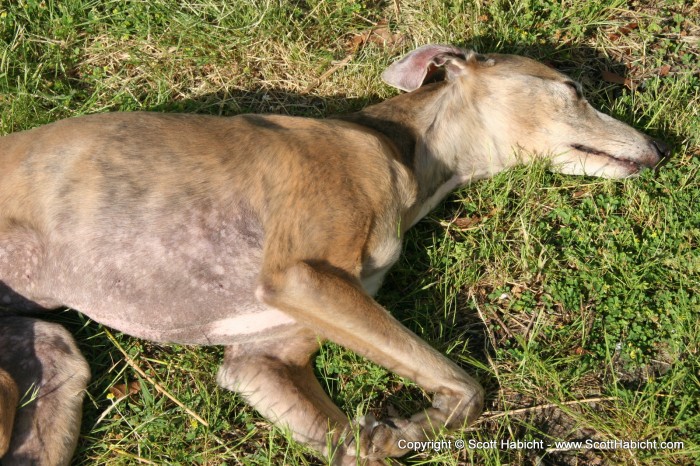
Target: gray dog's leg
(51, 375)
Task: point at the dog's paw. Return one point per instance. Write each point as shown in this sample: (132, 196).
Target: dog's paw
(382, 439)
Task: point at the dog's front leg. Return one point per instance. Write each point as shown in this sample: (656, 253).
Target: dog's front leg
(339, 310)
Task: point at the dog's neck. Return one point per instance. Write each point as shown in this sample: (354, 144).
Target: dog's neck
(436, 143)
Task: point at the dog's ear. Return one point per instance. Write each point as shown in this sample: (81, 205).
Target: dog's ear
(414, 69)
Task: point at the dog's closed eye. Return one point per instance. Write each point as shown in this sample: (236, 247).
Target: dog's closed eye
(575, 87)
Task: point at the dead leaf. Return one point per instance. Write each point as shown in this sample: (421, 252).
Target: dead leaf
(462, 223)
(380, 35)
(517, 290)
(628, 28)
(610, 77)
(121, 390)
(664, 70)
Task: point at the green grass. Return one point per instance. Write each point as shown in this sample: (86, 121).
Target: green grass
(575, 301)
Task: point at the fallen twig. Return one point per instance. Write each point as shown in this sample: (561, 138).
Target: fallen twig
(329, 72)
(496, 414)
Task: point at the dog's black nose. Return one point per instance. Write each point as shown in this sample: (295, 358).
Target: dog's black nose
(661, 147)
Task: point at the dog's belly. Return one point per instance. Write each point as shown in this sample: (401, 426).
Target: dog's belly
(186, 300)
(188, 280)
(175, 301)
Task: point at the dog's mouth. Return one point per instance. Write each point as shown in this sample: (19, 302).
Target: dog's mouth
(631, 165)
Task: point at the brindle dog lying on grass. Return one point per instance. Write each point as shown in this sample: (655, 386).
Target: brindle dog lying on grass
(267, 234)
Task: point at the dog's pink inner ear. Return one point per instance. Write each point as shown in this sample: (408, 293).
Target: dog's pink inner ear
(409, 73)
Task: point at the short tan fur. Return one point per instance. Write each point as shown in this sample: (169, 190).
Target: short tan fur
(267, 234)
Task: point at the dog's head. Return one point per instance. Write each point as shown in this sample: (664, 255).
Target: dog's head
(522, 108)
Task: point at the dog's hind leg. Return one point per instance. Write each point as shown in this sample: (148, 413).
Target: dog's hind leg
(277, 379)
(51, 375)
(9, 397)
